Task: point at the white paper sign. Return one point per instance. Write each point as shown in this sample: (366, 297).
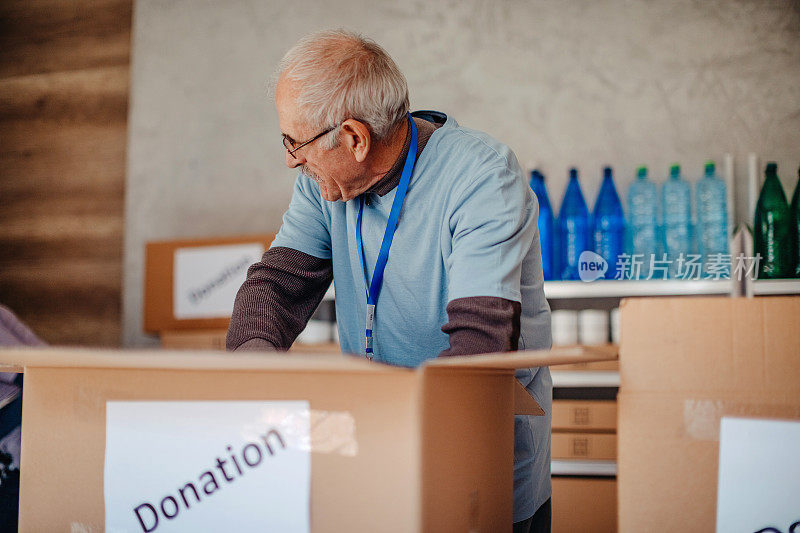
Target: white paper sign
(207, 466)
(759, 475)
(207, 278)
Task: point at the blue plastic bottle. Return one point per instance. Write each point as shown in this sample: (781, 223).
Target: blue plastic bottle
(573, 228)
(712, 215)
(546, 223)
(643, 220)
(608, 224)
(676, 197)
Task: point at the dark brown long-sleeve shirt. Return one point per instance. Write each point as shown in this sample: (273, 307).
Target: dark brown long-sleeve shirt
(282, 291)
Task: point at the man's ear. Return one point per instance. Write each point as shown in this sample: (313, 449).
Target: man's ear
(357, 138)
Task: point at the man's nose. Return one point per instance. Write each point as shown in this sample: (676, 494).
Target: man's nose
(294, 161)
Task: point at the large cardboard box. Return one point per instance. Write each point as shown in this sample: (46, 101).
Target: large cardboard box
(684, 364)
(434, 445)
(161, 312)
(584, 504)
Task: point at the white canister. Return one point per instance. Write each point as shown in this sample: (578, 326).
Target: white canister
(564, 327)
(593, 327)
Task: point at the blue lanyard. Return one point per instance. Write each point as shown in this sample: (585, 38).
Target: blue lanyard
(374, 288)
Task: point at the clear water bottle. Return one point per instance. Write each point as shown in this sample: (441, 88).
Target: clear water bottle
(712, 216)
(643, 219)
(573, 228)
(546, 223)
(676, 198)
(608, 224)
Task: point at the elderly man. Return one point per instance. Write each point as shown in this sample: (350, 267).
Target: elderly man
(428, 229)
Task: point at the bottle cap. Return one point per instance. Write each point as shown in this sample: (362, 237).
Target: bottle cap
(573, 173)
(641, 172)
(710, 168)
(772, 167)
(675, 170)
(607, 172)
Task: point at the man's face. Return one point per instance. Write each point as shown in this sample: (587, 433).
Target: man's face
(335, 171)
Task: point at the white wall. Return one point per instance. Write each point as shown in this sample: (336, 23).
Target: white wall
(564, 83)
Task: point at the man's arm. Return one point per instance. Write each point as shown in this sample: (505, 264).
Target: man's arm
(277, 299)
(482, 324)
(493, 226)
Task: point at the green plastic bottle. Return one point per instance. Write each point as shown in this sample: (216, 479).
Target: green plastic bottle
(795, 210)
(772, 236)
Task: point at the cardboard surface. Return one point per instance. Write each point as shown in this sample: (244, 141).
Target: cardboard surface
(82, 357)
(726, 345)
(467, 451)
(584, 505)
(159, 285)
(434, 445)
(64, 435)
(586, 415)
(685, 363)
(597, 365)
(599, 446)
(559, 355)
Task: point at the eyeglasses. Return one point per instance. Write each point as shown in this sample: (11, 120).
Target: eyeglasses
(290, 143)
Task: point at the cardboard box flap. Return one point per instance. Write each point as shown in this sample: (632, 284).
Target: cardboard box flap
(50, 357)
(524, 404)
(527, 358)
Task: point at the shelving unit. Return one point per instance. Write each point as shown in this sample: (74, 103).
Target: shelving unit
(584, 378)
(774, 287)
(557, 290)
(565, 467)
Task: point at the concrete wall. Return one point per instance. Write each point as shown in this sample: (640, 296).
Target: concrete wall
(564, 83)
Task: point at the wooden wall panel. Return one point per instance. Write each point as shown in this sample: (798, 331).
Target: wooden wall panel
(64, 77)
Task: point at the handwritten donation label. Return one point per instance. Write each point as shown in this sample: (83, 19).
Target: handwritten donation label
(759, 476)
(207, 466)
(207, 278)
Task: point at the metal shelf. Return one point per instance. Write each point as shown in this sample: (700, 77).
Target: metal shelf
(555, 290)
(584, 378)
(767, 287)
(624, 288)
(566, 467)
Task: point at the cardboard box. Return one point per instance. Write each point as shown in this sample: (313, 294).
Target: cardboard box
(434, 445)
(596, 446)
(685, 363)
(599, 365)
(160, 283)
(584, 504)
(588, 415)
(215, 340)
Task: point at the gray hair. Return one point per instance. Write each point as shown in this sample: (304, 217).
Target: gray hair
(341, 75)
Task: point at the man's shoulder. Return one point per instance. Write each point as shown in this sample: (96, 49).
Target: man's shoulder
(464, 159)
(472, 147)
